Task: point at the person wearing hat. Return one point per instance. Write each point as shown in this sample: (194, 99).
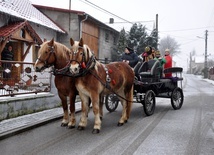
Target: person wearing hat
(148, 54)
(168, 63)
(129, 56)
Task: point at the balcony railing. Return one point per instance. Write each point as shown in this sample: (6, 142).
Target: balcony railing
(18, 77)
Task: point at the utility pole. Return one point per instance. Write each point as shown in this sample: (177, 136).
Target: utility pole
(205, 61)
(190, 63)
(157, 30)
(69, 14)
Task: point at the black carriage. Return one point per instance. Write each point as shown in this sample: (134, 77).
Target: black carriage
(149, 84)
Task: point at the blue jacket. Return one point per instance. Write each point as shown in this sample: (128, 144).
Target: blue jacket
(132, 57)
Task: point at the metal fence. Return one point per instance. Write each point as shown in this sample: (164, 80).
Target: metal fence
(18, 77)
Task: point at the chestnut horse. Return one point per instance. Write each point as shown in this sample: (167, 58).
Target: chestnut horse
(96, 79)
(55, 54)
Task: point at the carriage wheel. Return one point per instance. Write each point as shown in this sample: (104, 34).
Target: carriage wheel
(149, 103)
(177, 98)
(111, 102)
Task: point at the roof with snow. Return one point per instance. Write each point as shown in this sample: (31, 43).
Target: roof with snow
(8, 30)
(25, 10)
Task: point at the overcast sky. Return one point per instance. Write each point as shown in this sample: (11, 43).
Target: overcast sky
(182, 20)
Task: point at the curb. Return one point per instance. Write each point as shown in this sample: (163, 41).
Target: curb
(28, 127)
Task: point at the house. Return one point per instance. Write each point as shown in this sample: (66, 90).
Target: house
(101, 38)
(25, 27)
(196, 65)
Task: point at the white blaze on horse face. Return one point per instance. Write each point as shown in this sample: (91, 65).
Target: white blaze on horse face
(74, 68)
(38, 64)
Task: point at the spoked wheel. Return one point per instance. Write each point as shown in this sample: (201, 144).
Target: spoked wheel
(111, 102)
(149, 103)
(177, 98)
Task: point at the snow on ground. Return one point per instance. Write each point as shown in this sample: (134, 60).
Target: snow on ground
(207, 80)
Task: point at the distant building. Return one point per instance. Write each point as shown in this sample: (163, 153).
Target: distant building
(197, 65)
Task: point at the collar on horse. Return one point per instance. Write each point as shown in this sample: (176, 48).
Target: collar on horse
(84, 69)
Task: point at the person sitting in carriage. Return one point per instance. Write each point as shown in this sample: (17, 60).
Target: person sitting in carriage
(148, 54)
(130, 57)
(162, 61)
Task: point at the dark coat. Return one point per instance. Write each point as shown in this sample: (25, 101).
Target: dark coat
(132, 57)
(7, 55)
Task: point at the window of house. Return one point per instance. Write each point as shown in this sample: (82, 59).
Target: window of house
(107, 37)
(114, 40)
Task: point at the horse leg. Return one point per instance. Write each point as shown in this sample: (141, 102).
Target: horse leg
(101, 106)
(96, 110)
(72, 121)
(123, 118)
(127, 105)
(84, 113)
(129, 97)
(65, 109)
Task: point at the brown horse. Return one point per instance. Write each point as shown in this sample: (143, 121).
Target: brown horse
(55, 54)
(96, 79)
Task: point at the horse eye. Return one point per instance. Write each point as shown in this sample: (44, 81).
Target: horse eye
(46, 52)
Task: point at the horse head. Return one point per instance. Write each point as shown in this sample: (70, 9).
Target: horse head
(45, 56)
(81, 57)
(49, 53)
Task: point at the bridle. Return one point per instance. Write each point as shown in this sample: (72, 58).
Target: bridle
(46, 65)
(84, 67)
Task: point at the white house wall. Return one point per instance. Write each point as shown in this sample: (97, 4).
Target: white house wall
(43, 32)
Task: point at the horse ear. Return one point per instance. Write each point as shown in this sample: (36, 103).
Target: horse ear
(51, 43)
(81, 42)
(71, 41)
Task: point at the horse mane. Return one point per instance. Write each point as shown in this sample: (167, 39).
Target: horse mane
(61, 49)
(87, 50)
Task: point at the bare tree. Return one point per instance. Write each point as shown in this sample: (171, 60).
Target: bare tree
(169, 43)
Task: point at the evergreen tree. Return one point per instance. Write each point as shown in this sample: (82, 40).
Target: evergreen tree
(137, 38)
(152, 39)
(142, 43)
(132, 40)
(122, 43)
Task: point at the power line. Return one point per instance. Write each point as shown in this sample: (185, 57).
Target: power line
(107, 11)
(189, 29)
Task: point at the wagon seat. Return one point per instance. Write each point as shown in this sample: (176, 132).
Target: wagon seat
(150, 71)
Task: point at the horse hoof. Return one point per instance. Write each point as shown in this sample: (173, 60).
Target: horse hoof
(81, 128)
(71, 126)
(96, 131)
(64, 124)
(119, 124)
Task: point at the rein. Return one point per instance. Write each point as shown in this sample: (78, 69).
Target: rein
(83, 70)
(107, 85)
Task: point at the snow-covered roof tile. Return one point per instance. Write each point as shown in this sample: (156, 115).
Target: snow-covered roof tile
(25, 10)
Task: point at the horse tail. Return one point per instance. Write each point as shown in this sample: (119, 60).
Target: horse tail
(129, 102)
